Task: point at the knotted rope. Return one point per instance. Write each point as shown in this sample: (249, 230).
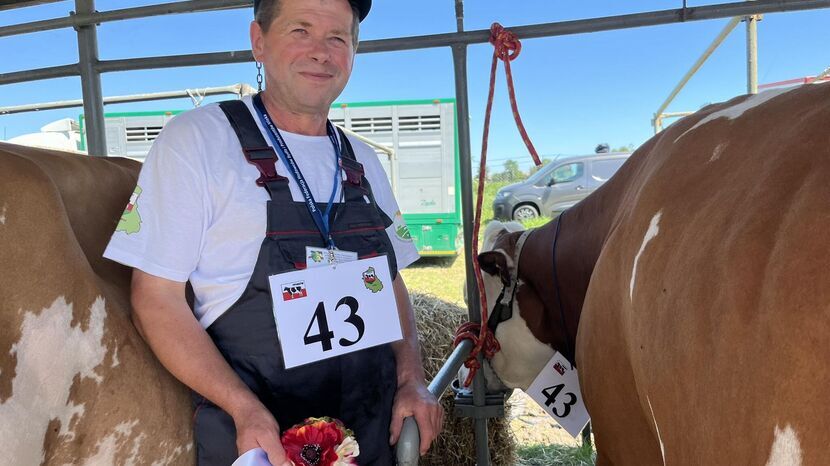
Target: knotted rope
(506, 48)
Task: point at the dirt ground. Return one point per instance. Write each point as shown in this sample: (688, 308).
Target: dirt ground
(532, 426)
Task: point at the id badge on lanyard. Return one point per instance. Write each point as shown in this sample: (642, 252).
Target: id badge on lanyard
(320, 219)
(331, 310)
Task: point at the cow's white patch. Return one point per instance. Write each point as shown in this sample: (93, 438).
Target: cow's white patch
(107, 447)
(115, 361)
(173, 455)
(718, 151)
(657, 429)
(518, 344)
(653, 229)
(786, 448)
(737, 110)
(3, 215)
(50, 354)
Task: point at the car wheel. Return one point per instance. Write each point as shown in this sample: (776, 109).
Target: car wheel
(525, 212)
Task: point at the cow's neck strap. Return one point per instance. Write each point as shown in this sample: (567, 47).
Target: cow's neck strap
(571, 355)
(503, 309)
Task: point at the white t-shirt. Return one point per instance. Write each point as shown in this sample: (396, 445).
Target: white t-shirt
(197, 213)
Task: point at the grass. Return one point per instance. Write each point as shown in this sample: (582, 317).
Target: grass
(555, 455)
(439, 276)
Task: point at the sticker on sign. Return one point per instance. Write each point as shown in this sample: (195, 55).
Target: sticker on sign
(293, 290)
(556, 390)
(334, 309)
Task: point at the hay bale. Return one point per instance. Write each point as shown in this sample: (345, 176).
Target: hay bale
(437, 321)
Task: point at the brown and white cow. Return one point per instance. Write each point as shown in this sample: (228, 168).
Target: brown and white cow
(77, 383)
(696, 287)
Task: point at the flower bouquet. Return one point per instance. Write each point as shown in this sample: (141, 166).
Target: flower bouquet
(320, 442)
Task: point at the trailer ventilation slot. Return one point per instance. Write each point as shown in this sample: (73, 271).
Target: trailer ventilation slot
(142, 133)
(419, 123)
(372, 125)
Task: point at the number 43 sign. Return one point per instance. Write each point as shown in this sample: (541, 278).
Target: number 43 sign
(331, 310)
(556, 389)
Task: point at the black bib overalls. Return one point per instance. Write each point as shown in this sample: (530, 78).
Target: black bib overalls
(357, 388)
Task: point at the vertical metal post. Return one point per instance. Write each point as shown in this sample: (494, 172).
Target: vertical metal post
(752, 54)
(91, 82)
(459, 54)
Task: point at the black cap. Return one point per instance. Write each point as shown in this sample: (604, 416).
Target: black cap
(363, 7)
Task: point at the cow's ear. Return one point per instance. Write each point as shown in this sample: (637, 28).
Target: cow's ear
(495, 263)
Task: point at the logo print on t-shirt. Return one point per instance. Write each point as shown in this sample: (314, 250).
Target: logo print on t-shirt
(130, 221)
(372, 281)
(401, 230)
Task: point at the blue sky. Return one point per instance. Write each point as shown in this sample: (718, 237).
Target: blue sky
(573, 91)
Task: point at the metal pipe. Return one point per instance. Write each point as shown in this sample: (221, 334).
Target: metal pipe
(657, 122)
(407, 449)
(91, 83)
(449, 370)
(653, 18)
(374, 144)
(93, 17)
(702, 59)
(480, 422)
(175, 61)
(459, 53)
(51, 72)
(448, 39)
(237, 89)
(11, 4)
(752, 54)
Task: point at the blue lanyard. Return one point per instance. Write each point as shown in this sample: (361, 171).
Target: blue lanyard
(322, 220)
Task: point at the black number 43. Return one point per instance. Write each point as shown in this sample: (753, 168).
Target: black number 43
(324, 335)
(550, 398)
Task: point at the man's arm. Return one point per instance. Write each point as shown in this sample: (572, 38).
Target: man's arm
(412, 398)
(165, 321)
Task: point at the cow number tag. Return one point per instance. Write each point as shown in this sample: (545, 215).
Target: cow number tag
(556, 390)
(335, 309)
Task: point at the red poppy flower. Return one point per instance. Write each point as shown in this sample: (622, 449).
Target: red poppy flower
(315, 442)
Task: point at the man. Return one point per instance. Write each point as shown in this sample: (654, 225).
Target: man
(208, 216)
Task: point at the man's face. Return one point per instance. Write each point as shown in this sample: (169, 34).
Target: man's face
(307, 53)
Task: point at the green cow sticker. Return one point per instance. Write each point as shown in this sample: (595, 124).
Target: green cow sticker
(130, 221)
(316, 256)
(371, 280)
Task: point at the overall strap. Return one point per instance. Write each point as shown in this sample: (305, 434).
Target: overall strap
(355, 186)
(257, 151)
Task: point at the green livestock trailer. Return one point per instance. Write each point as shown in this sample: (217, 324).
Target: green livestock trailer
(423, 168)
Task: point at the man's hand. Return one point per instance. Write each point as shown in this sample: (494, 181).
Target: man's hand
(257, 428)
(414, 399)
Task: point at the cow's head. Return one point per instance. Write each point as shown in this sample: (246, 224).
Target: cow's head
(522, 355)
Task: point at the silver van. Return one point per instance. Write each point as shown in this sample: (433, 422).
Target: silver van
(556, 186)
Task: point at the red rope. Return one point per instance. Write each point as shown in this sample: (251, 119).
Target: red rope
(506, 48)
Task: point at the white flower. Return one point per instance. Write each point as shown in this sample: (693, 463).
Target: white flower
(346, 452)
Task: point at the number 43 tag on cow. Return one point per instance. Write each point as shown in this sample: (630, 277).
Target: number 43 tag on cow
(330, 310)
(556, 389)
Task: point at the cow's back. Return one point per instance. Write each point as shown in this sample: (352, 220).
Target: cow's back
(79, 385)
(711, 298)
